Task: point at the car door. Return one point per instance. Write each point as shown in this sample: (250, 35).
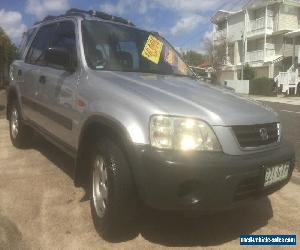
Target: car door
(29, 71)
(19, 69)
(58, 88)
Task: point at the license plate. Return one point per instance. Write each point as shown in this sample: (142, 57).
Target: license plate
(276, 173)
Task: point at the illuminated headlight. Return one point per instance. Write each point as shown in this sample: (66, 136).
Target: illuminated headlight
(181, 133)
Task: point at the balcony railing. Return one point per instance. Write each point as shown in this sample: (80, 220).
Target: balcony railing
(258, 25)
(255, 56)
(258, 55)
(270, 53)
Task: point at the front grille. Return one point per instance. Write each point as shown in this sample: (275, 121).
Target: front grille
(257, 135)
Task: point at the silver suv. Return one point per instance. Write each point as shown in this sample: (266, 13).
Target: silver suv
(140, 126)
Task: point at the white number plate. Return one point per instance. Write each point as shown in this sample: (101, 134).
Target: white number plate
(277, 173)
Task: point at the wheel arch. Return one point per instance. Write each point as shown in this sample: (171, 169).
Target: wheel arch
(100, 125)
(12, 95)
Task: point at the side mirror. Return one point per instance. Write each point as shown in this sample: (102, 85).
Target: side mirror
(60, 57)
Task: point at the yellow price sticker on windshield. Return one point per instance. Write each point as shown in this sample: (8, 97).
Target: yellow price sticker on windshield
(152, 49)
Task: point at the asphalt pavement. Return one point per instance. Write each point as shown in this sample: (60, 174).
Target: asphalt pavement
(290, 119)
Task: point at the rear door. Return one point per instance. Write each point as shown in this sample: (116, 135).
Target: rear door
(18, 67)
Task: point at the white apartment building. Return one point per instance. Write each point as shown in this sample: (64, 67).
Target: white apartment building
(265, 34)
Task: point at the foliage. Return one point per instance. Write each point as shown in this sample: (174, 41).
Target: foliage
(216, 53)
(193, 58)
(262, 86)
(7, 54)
(214, 78)
(199, 72)
(249, 73)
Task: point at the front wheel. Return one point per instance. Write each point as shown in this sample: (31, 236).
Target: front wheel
(113, 201)
(19, 133)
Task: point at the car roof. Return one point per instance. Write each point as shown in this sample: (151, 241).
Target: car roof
(88, 15)
(83, 14)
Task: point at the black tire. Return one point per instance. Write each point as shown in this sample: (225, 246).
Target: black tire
(22, 138)
(121, 203)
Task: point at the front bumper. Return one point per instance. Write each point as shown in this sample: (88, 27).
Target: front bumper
(202, 180)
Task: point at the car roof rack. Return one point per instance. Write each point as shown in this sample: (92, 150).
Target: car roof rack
(93, 13)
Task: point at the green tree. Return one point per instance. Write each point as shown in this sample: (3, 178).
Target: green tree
(216, 53)
(249, 73)
(193, 58)
(7, 55)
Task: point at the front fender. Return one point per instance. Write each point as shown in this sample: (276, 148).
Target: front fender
(129, 121)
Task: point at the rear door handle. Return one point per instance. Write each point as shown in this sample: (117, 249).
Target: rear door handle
(42, 79)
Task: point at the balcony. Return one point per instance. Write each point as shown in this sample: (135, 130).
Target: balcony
(255, 56)
(257, 27)
(270, 53)
(258, 55)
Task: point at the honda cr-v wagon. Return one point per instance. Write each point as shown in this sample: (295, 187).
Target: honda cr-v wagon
(140, 126)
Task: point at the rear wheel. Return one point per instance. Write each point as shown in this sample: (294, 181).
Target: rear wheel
(113, 201)
(19, 133)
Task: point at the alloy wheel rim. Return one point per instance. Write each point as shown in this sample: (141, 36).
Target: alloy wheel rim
(14, 123)
(100, 186)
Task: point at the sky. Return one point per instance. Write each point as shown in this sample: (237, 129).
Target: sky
(182, 22)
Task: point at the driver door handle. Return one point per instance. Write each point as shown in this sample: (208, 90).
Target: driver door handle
(42, 79)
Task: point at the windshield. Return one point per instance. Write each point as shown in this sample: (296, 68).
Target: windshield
(114, 47)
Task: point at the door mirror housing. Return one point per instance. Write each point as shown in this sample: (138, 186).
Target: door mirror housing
(60, 57)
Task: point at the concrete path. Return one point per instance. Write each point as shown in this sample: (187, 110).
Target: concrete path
(279, 99)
